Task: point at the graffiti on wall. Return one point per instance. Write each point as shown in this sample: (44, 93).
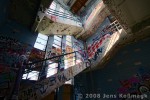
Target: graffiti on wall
(69, 58)
(11, 50)
(53, 18)
(53, 51)
(43, 88)
(11, 54)
(104, 38)
(137, 84)
(36, 55)
(96, 48)
(79, 46)
(96, 44)
(6, 78)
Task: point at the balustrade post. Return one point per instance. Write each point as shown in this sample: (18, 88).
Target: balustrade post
(15, 90)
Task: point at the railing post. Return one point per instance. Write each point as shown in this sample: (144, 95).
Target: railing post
(15, 90)
(75, 58)
(59, 64)
(43, 70)
(28, 72)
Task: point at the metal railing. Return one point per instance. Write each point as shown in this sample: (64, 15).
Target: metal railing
(62, 14)
(39, 69)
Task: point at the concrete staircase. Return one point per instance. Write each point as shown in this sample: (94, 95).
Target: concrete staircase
(43, 88)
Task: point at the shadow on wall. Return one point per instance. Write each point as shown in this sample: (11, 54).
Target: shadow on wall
(15, 41)
(3, 11)
(127, 73)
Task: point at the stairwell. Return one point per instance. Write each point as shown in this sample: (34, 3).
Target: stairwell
(44, 87)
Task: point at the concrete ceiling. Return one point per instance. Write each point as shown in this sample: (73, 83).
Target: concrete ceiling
(24, 11)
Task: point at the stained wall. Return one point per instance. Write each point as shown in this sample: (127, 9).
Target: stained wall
(126, 72)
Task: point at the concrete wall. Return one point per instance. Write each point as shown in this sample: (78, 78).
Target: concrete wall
(18, 32)
(15, 41)
(65, 92)
(88, 9)
(3, 11)
(101, 41)
(125, 73)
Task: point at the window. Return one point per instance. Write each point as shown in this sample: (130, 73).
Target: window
(53, 5)
(57, 41)
(52, 69)
(68, 40)
(41, 42)
(33, 75)
(57, 37)
(56, 10)
(69, 82)
(69, 59)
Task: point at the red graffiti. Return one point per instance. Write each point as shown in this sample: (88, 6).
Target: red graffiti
(95, 45)
(129, 86)
(53, 18)
(137, 84)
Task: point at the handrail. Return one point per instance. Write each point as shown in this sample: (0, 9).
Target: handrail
(58, 11)
(53, 57)
(54, 62)
(62, 14)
